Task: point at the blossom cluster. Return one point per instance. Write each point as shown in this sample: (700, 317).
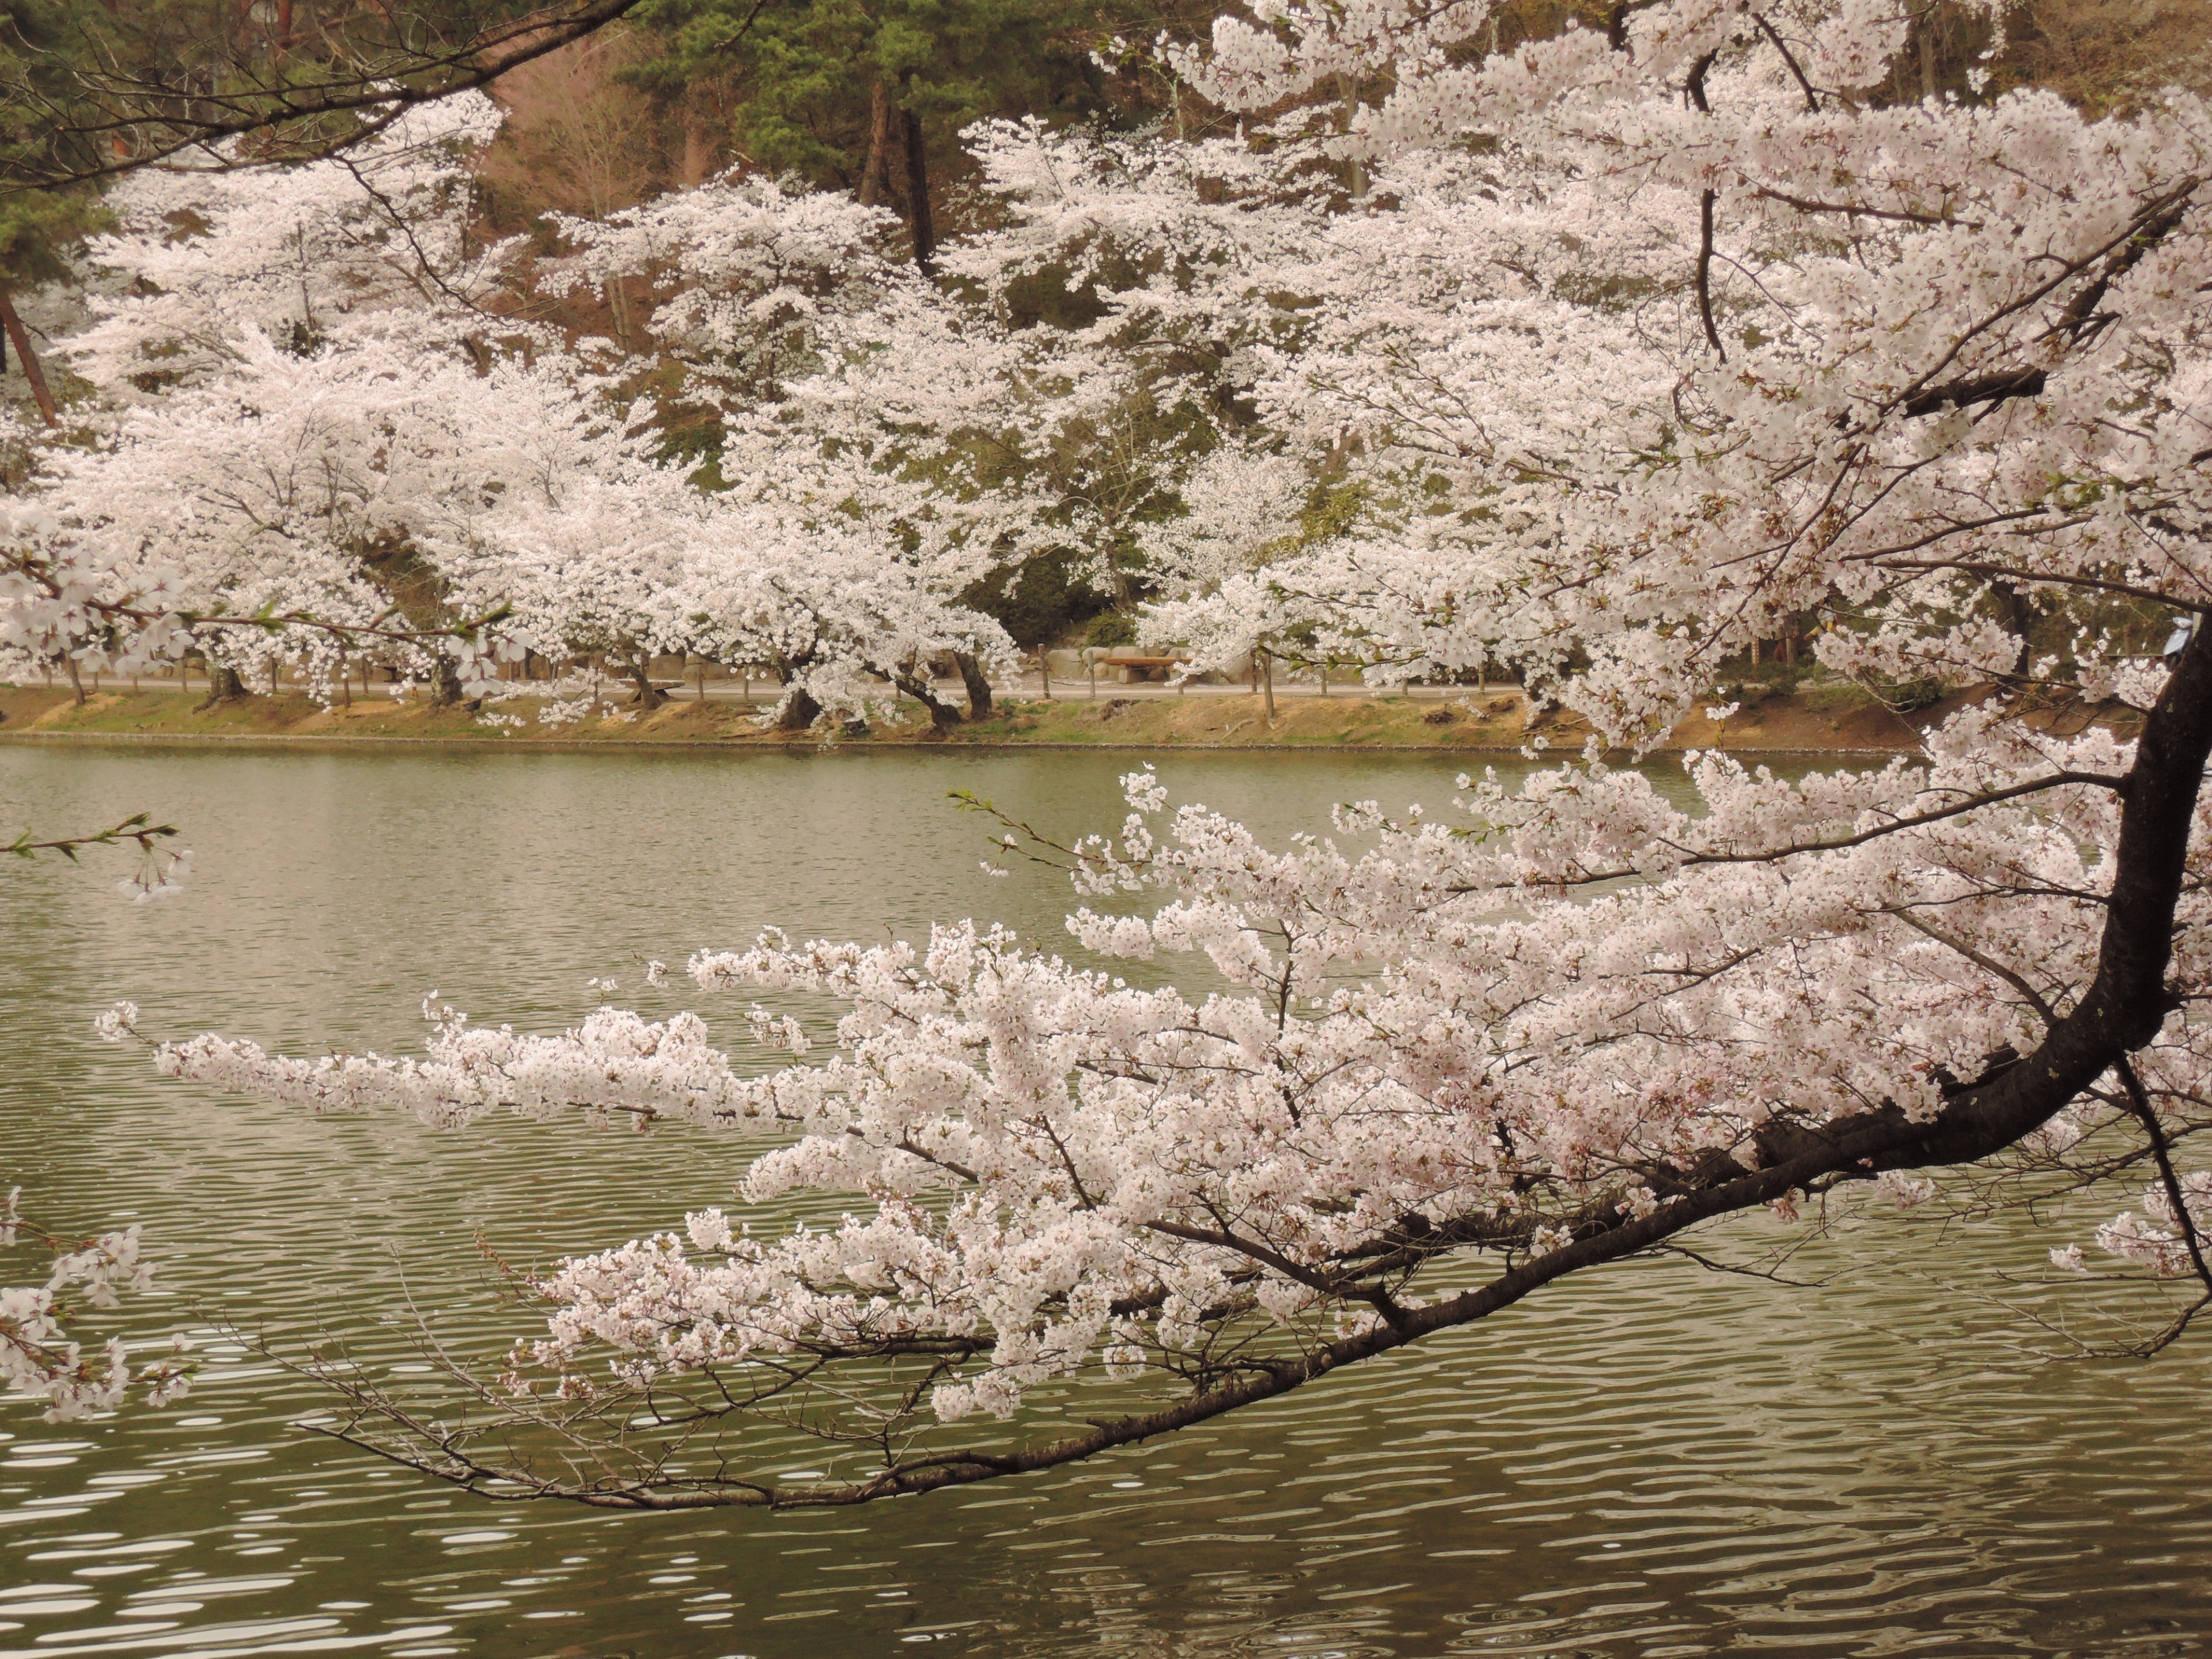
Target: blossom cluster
(40, 1360)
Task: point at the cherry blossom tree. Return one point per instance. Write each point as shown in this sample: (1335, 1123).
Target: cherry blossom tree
(253, 353)
(372, 245)
(849, 396)
(966, 411)
(1896, 300)
(1686, 334)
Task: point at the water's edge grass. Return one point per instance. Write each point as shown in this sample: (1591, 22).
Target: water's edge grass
(1494, 723)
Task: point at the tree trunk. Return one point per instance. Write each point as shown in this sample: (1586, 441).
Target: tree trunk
(800, 711)
(917, 193)
(445, 683)
(875, 176)
(1267, 683)
(648, 697)
(698, 157)
(29, 359)
(1355, 176)
(224, 685)
(978, 685)
(76, 685)
(914, 683)
(618, 310)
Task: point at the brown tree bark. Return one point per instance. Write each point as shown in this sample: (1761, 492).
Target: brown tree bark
(224, 685)
(648, 696)
(2013, 611)
(445, 683)
(800, 711)
(21, 338)
(914, 682)
(978, 685)
(875, 175)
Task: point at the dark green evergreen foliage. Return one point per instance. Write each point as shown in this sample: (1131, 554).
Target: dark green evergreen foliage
(1040, 601)
(804, 73)
(691, 433)
(37, 232)
(1043, 297)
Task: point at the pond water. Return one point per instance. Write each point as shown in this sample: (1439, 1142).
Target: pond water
(1654, 1461)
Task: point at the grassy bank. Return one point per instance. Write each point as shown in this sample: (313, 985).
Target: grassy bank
(1836, 718)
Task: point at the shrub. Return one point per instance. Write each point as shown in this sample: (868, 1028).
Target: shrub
(1111, 627)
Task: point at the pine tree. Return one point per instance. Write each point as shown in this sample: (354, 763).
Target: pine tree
(871, 95)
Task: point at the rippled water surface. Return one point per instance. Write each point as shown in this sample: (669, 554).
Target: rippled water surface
(1657, 1460)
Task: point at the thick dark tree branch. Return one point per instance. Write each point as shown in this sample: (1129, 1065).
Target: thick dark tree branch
(1843, 843)
(1929, 394)
(20, 337)
(1970, 389)
(1811, 98)
(2015, 573)
(1857, 210)
(1696, 87)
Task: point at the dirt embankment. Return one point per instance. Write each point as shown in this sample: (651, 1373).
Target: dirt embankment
(1839, 718)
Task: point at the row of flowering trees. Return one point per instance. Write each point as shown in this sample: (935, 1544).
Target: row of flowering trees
(311, 399)
(312, 396)
(1630, 342)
